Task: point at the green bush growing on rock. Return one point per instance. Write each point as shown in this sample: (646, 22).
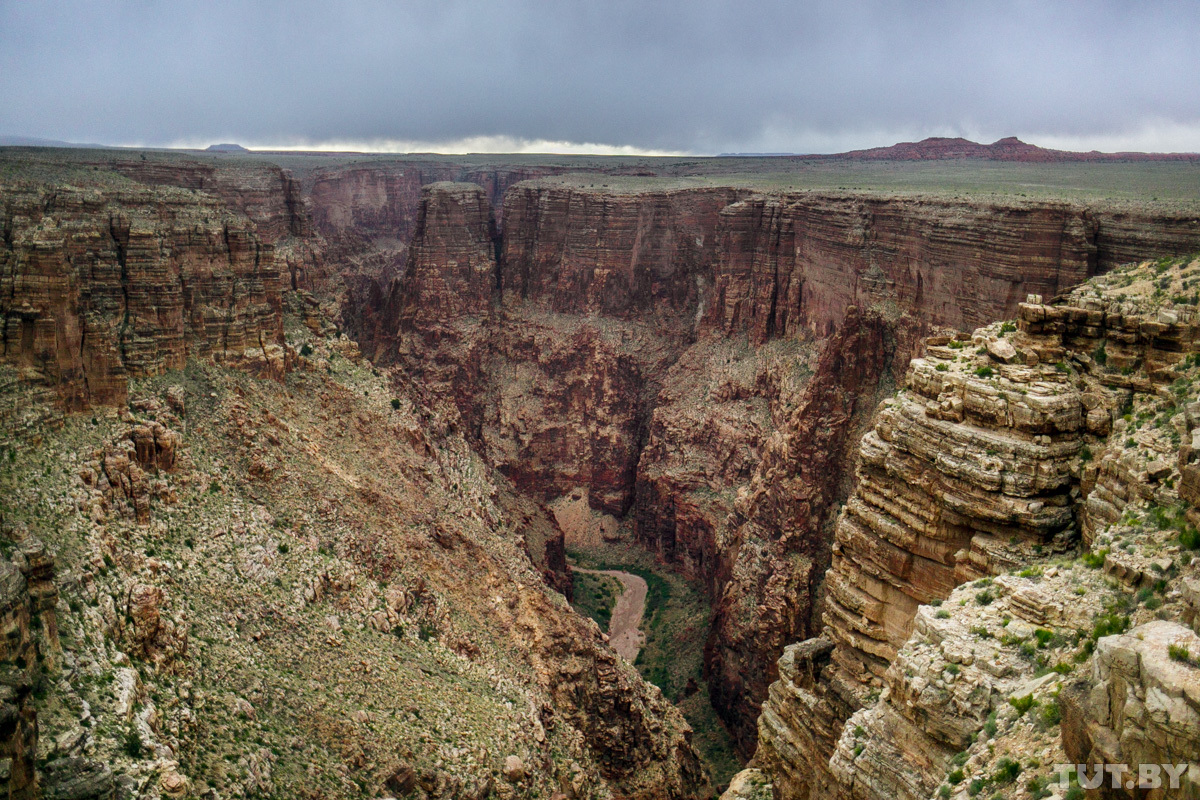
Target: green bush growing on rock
(1178, 652)
(1022, 704)
(1006, 772)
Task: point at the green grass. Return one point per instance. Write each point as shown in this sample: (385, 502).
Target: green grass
(595, 596)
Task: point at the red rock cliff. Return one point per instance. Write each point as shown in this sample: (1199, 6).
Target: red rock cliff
(99, 284)
(795, 262)
(578, 250)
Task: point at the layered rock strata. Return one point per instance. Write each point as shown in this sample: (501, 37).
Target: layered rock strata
(97, 285)
(797, 262)
(636, 255)
(1004, 448)
(775, 544)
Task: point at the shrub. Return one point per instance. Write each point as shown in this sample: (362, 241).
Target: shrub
(1189, 538)
(975, 787)
(1006, 772)
(942, 368)
(985, 372)
(955, 777)
(1109, 625)
(1100, 354)
(396, 403)
(1007, 327)
(1095, 560)
(1051, 714)
(984, 598)
(1037, 788)
(1022, 704)
(1178, 652)
(953, 669)
(1043, 636)
(306, 350)
(132, 745)
(942, 614)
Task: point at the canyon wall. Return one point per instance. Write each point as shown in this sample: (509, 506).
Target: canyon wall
(796, 262)
(609, 365)
(574, 250)
(1003, 449)
(100, 284)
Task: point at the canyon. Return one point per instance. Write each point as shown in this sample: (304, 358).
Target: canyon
(411, 366)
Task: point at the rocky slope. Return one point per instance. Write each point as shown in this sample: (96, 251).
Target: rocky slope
(1005, 451)
(274, 587)
(269, 554)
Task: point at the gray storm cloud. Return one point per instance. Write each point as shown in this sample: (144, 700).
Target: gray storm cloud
(697, 76)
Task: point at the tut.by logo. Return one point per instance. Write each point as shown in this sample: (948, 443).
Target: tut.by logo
(1122, 776)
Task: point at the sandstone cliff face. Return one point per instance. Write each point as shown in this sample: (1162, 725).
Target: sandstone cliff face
(1002, 450)
(797, 262)
(645, 254)
(432, 320)
(100, 284)
(776, 544)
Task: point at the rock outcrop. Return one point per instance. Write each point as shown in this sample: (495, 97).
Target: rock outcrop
(1005, 448)
(29, 647)
(102, 284)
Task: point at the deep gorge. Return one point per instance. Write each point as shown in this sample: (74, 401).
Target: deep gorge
(699, 363)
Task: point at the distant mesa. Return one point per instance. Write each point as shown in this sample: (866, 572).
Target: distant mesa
(1008, 149)
(225, 148)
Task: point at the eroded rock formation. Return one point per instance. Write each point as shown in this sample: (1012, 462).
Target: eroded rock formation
(1005, 448)
(98, 285)
(598, 371)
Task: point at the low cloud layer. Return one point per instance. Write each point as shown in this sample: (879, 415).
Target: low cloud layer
(698, 76)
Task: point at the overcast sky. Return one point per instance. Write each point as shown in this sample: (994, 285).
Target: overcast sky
(697, 76)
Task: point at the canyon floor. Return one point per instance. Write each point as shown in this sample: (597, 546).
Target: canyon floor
(297, 454)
